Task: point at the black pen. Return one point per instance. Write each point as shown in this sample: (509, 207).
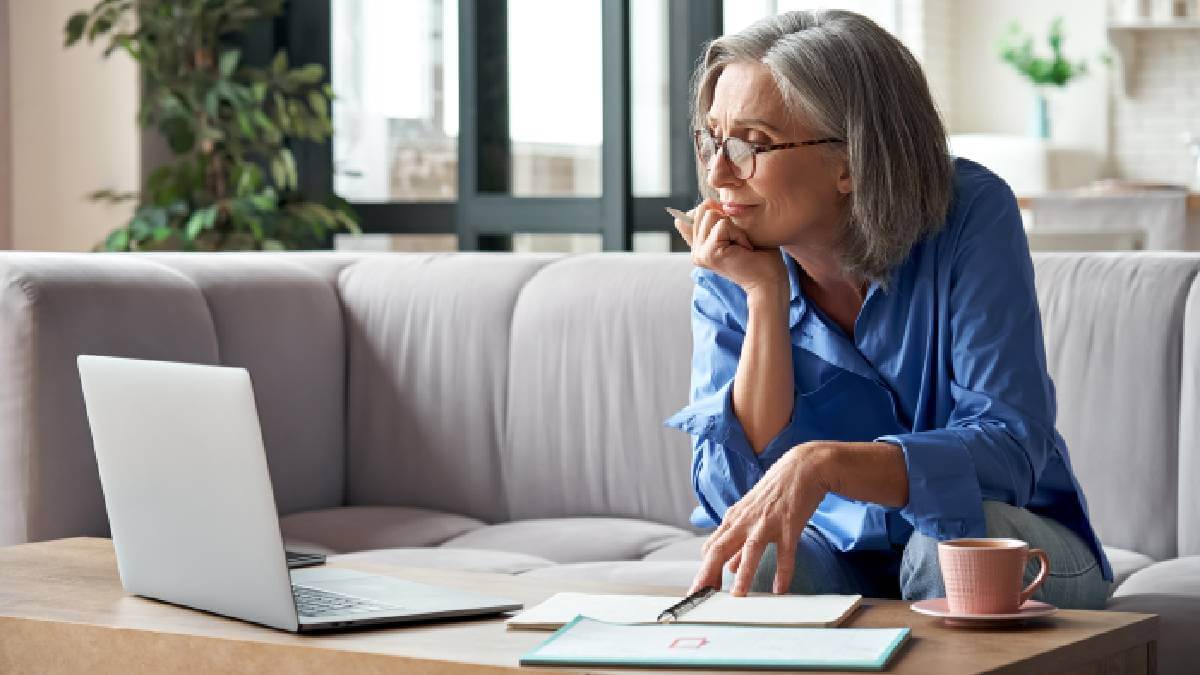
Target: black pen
(672, 613)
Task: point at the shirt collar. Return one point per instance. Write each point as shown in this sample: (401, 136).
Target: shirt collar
(793, 271)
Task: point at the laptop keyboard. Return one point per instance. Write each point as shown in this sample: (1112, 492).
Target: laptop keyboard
(317, 602)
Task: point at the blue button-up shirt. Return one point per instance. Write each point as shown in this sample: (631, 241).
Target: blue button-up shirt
(947, 361)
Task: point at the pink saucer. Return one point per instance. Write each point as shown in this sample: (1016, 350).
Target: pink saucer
(938, 607)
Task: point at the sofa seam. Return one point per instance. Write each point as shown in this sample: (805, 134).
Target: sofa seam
(506, 411)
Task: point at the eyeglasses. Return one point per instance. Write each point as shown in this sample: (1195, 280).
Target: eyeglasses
(741, 153)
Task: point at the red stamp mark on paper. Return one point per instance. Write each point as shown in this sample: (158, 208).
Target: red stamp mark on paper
(688, 643)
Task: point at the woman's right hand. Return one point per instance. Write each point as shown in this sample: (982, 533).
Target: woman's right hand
(719, 245)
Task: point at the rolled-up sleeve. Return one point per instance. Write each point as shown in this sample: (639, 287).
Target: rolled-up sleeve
(1000, 434)
(724, 465)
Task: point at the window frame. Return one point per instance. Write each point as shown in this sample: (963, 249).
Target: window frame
(486, 220)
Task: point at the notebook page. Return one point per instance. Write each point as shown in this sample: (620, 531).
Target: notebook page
(781, 610)
(561, 608)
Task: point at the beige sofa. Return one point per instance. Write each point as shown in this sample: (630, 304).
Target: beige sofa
(504, 413)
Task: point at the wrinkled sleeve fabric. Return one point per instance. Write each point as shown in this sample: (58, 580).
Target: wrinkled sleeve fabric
(724, 465)
(1000, 432)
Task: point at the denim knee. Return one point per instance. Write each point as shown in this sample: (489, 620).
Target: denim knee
(920, 573)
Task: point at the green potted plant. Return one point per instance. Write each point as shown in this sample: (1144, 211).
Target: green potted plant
(1016, 49)
(232, 184)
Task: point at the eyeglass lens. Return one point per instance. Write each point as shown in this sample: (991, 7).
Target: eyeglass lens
(739, 152)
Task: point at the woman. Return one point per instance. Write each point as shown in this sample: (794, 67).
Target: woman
(869, 375)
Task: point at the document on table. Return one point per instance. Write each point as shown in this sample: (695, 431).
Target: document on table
(587, 642)
(720, 608)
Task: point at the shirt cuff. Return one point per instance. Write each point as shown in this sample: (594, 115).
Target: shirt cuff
(944, 499)
(711, 419)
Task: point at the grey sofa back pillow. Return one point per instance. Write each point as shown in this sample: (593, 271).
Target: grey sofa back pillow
(283, 323)
(428, 371)
(601, 351)
(55, 307)
(1114, 332)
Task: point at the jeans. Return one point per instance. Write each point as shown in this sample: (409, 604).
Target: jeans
(912, 572)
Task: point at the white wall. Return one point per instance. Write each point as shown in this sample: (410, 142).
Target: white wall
(990, 96)
(72, 130)
(1160, 107)
(5, 172)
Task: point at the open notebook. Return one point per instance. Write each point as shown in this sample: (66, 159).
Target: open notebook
(719, 608)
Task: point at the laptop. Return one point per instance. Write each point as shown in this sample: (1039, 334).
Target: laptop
(193, 515)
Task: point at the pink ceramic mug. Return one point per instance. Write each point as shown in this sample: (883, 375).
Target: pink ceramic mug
(983, 576)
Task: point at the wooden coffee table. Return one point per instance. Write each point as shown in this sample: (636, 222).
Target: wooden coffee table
(62, 610)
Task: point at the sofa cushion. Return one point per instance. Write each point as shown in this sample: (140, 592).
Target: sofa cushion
(684, 549)
(1189, 428)
(283, 323)
(54, 307)
(427, 339)
(1120, 419)
(360, 528)
(1178, 576)
(568, 540)
(1125, 563)
(677, 574)
(1170, 589)
(470, 560)
(600, 356)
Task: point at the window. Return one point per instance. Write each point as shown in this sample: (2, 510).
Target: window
(394, 68)
(651, 97)
(497, 120)
(555, 102)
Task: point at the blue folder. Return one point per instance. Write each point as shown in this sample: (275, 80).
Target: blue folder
(588, 642)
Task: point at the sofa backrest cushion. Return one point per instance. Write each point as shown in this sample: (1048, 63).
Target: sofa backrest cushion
(1114, 333)
(600, 356)
(283, 322)
(428, 371)
(55, 307)
(1189, 428)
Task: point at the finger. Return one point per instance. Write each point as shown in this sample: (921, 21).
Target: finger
(685, 231)
(734, 561)
(731, 515)
(785, 562)
(699, 208)
(710, 572)
(738, 236)
(752, 552)
(726, 234)
(719, 238)
(707, 218)
(683, 224)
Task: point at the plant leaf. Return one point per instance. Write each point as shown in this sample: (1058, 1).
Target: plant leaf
(202, 219)
(74, 28)
(229, 61)
(310, 73)
(117, 240)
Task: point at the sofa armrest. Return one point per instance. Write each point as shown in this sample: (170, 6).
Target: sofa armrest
(54, 307)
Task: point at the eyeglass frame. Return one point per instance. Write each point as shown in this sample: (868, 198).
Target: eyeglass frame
(755, 149)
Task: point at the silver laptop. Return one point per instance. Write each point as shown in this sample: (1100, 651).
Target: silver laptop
(193, 514)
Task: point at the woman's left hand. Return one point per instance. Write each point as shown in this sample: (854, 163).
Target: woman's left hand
(775, 511)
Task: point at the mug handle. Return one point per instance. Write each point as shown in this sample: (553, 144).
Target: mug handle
(1041, 577)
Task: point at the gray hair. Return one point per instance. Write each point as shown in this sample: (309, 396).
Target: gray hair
(851, 79)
